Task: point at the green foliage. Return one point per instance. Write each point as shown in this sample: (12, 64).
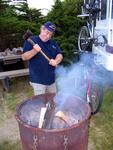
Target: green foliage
(3, 5)
(12, 31)
(14, 21)
(25, 13)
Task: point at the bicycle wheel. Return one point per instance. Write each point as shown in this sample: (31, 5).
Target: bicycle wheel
(95, 98)
(84, 40)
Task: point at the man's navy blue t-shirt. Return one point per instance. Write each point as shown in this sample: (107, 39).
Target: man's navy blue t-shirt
(39, 69)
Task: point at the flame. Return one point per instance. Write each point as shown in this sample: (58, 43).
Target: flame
(70, 120)
(61, 115)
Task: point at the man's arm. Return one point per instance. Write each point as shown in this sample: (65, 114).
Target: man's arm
(58, 58)
(56, 61)
(29, 54)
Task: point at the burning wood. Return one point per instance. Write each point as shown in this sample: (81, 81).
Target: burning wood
(46, 115)
(42, 115)
(48, 118)
(69, 118)
(61, 115)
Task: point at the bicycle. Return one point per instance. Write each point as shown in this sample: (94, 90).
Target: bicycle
(86, 37)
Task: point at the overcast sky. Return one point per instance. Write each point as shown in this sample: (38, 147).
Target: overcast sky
(41, 4)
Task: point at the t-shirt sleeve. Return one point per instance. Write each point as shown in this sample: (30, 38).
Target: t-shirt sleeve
(58, 50)
(27, 46)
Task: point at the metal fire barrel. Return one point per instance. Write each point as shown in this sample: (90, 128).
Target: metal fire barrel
(74, 137)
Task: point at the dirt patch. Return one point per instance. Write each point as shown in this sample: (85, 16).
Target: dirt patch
(9, 130)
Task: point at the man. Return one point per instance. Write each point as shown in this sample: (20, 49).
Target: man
(42, 72)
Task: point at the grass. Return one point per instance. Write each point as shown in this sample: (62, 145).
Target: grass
(100, 127)
(8, 145)
(21, 90)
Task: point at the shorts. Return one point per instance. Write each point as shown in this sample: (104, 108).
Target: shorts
(42, 89)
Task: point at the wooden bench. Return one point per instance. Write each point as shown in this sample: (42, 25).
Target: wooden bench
(14, 73)
(6, 75)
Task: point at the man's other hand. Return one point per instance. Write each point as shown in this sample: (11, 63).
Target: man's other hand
(53, 63)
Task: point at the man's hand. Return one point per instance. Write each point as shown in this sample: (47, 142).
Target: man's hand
(53, 63)
(37, 47)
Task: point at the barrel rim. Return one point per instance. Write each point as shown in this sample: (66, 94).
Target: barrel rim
(51, 130)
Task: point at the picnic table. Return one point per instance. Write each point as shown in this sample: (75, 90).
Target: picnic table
(7, 58)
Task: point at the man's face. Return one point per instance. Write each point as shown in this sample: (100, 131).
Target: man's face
(45, 34)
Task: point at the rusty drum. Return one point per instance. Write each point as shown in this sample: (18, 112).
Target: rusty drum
(74, 137)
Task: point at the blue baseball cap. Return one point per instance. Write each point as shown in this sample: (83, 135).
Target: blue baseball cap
(50, 26)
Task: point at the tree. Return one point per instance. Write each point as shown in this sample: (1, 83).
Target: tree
(14, 24)
(26, 13)
(3, 5)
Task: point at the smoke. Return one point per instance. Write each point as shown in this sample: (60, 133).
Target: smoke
(74, 80)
